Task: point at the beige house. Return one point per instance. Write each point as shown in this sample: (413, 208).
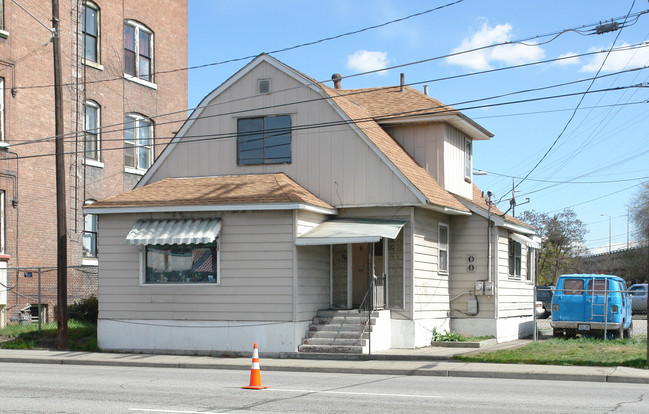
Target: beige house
(284, 210)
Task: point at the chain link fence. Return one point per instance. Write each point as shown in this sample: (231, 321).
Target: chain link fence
(595, 307)
(28, 295)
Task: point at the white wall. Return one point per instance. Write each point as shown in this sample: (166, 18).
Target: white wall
(454, 179)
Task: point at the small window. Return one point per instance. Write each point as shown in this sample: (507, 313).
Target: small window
(91, 127)
(638, 291)
(181, 263)
(264, 86)
(138, 51)
(2, 15)
(138, 142)
(531, 264)
(468, 160)
(90, 235)
(442, 247)
(514, 258)
(2, 222)
(573, 286)
(90, 29)
(265, 140)
(597, 286)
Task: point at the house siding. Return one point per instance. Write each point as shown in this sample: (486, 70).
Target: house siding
(334, 163)
(313, 268)
(515, 294)
(425, 143)
(431, 287)
(469, 240)
(454, 180)
(256, 274)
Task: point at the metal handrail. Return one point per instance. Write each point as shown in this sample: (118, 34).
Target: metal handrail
(369, 298)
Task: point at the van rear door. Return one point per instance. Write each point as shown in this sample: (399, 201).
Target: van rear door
(571, 297)
(595, 303)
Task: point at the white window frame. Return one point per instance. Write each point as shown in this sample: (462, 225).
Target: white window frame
(93, 232)
(260, 82)
(443, 247)
(136, 78)
(519, 268)
(468, 159)
(531, 265)
(3, 32)
(137, 119)
(193, 285)
(91, 161)
(90, 62)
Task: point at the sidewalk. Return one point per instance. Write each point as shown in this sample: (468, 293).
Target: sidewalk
(425, 362)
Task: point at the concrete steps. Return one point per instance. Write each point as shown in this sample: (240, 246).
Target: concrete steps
(335, 332)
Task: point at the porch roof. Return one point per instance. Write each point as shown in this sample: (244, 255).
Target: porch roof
(351, 230)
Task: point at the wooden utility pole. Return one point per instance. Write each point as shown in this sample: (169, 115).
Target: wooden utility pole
(61, 224)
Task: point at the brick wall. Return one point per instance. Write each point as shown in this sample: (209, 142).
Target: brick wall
(26, 55)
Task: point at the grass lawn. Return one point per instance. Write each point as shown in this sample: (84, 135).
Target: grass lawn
(82, 336)
(580, 351)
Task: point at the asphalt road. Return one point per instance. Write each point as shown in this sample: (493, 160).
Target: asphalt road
(35, 388)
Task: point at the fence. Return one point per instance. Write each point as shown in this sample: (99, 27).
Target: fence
(29, 294)
(591, 307)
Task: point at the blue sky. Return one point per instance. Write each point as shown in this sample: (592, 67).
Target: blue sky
(596, 165)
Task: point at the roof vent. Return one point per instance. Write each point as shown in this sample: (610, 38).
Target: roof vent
(337, 78)
(263, 86)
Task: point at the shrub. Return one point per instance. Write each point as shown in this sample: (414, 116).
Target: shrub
(85, 310)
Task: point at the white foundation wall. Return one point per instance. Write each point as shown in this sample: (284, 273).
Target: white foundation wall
(475, 326)
(411, 334)
(381, 335)
(510, 329)
(198, 337)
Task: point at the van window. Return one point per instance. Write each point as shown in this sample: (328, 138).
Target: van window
(600, 286)
(573, 286)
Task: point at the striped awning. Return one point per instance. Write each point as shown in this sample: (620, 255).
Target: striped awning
(174, 231)
(356, 230)
(525, 240)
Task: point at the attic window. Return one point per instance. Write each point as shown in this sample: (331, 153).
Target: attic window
(263, 86)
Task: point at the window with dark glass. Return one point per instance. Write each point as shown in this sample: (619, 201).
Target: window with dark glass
(514, 258)
(138, 142)
(91, 130)
(90, 29)
(181, 263)
(90, 235)
(264, 140)
(443, 248)
(138, 51)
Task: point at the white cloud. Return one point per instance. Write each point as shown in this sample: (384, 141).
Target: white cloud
(569, 58)
(365, 61)
(620, 60)
(514, 54)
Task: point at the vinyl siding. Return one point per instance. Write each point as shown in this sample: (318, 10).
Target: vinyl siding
(313, 267)
(425, 143)
(256, 273)
(515, 296)
(469, 239)
(454, 163)
(334, 163)
(431, 294)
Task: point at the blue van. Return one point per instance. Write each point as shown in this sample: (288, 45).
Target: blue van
(590, 304)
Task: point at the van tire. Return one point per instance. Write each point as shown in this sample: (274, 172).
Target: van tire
(620, 332)
(557, 333)
(628, 332)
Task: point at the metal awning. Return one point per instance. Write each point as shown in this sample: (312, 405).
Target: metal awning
(343, 231)
(525, 240)
(174, 231)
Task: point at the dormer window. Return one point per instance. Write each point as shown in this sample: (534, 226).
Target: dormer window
(264, 140)
(468, 160)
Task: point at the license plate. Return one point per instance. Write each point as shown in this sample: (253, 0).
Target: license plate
(583, 327)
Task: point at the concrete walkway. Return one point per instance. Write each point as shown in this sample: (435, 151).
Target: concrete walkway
(431, 361)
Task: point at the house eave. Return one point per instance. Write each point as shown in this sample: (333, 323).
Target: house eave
(497, 219)
(211, 207)
(459, 121)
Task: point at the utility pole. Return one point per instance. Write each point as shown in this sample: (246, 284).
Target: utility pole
(61, 224)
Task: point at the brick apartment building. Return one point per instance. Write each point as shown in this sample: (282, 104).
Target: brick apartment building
(123, 99)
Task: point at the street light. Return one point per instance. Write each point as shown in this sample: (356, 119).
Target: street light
(609, 232)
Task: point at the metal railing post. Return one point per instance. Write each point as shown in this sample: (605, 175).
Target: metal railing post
(535, 336)
(39, 302)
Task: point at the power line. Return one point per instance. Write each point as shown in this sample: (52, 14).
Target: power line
(578, 105)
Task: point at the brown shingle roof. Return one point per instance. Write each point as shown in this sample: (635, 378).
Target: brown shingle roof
(233, 189)
(395, 153)
(391, 102)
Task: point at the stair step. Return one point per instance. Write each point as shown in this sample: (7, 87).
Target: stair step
(337, 328)
(352, 312)
(340, 320)
(331, 349)
(337, 334)
(334, 341)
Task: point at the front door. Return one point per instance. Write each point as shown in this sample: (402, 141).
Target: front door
(360, 272)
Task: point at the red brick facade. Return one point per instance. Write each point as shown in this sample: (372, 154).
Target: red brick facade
(27, 164)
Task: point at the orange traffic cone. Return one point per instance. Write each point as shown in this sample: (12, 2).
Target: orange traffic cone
(255, 373)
